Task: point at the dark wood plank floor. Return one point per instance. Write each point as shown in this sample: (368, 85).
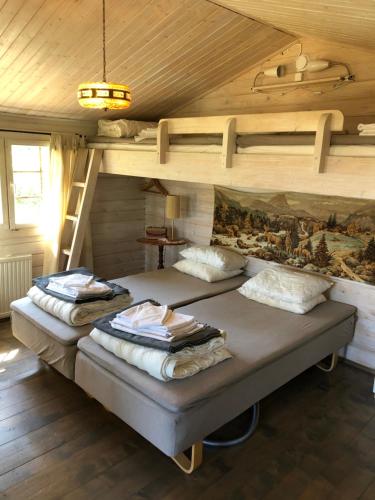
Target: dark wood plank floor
(315, 441)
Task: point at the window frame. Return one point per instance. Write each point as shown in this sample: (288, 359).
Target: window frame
(3, 188)
(8, 140)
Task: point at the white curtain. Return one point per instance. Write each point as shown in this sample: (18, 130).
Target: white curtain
(58, 180)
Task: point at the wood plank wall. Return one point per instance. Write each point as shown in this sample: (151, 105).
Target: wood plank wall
(117, 220)
(196, 226)
(196, 218)
(355, 100)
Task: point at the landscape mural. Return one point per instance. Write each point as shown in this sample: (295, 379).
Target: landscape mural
(328, 234)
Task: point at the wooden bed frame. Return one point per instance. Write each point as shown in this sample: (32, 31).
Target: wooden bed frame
(320, 173)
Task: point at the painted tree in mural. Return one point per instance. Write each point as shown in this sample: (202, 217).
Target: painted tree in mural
(309, 246)
(294, 235)
(332, 221)
(321, 255)
(369, 253)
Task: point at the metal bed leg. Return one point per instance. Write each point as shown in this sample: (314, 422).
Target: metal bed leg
(333, 364)
(226, 443)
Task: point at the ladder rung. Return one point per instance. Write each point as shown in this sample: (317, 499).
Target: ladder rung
(78, 184)
(66, 251)
(71, 217)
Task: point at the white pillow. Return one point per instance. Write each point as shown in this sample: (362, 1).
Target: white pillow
(294, 307)
(122, 128)
(218, 257)
(287, 285)
(204, 271)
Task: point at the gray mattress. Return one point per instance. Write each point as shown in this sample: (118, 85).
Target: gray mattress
(55, 342)
(169, 286)
(269, 347)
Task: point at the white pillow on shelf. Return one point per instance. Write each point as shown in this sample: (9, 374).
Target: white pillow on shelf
(294, 307)
(221, 258)
(204, 271)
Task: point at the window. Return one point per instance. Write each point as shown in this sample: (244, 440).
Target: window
(23, 172)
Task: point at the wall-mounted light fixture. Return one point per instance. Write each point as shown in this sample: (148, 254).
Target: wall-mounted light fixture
(297, 69)
(275, 71)
(303, 63)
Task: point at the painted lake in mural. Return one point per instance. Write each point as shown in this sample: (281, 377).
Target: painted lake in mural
(328, 234)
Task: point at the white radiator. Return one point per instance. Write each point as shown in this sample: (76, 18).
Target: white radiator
(15, 280)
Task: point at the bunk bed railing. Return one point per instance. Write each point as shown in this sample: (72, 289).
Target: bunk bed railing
(322, 122)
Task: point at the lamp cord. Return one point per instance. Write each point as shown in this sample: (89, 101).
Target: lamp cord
(104, 55)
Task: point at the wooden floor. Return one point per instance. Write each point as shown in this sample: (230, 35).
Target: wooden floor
(315, 441)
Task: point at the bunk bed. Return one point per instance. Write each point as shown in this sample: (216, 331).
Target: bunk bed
(317, 162)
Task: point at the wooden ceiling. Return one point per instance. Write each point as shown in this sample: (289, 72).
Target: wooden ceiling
(346, 21)
(168, 51)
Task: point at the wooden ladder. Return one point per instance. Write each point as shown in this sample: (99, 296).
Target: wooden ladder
(78, 209)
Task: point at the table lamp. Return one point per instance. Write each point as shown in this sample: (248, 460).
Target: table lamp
(172, 209)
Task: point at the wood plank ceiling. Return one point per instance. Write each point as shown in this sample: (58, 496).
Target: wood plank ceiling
(346, 21)
(168, 51)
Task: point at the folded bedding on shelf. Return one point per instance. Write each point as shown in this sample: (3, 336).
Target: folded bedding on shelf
(77, 314)
(366, 127)
(122, 127)
(164, 365)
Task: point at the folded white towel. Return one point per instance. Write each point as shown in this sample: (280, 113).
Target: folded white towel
(173, 322)
(144, 315)
(72, 280)
(149, 333)
(93, 289)
(163, 365)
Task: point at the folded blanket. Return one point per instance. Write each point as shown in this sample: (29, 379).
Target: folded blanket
(76, 314)
(369, 132)
(203, 335)
(163, 365)
(177, 335)
(366, 126)
(123, 127)
(42, 282)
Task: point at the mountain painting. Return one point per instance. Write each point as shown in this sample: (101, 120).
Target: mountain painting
(327, 234)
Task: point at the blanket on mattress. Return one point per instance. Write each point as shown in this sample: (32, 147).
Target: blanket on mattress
(164, 365)
(77, 314)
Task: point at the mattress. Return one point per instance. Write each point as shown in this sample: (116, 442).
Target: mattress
(249, 144)
(55, 342)
(171, 287)
(257, 335)
(269, 347)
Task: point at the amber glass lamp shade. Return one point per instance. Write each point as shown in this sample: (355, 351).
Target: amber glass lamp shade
(103, 95)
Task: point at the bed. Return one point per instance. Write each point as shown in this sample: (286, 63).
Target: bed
(280, 151)
(55, 342)
(294, 145)
(269, 348)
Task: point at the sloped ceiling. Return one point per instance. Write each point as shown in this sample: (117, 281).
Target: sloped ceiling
(347, 21)
(168, 51)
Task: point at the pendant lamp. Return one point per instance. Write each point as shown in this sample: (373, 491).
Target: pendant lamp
(104, 95)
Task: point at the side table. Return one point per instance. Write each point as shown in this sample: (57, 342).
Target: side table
(161, 243)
